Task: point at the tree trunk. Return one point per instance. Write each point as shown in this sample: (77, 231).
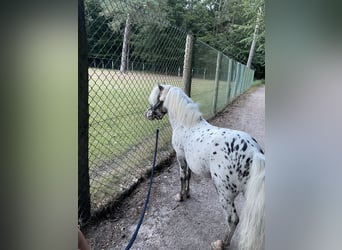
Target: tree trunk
(125, 42)
(252, 49)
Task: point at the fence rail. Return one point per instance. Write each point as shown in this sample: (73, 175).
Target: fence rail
(124, 64)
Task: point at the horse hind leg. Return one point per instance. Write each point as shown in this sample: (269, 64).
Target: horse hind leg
(187, 182)
(232, 219)
(185, 175)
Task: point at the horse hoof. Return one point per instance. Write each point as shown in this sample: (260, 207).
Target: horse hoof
(179, 197)
(217, 245)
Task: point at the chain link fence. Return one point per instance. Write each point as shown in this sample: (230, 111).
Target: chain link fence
(130, 50)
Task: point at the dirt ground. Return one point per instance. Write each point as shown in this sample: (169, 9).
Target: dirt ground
(168, 224)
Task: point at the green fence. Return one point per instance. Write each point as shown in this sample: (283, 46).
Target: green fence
(130, 50)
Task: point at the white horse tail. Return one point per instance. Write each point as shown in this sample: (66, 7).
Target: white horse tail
(252, 224)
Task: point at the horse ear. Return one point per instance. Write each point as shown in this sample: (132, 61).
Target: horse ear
(160, 87)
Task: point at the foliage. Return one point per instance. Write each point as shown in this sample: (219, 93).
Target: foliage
(98, 31)
(226, 25)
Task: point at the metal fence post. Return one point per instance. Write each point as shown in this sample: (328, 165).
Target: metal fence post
(237, 79)
(217, 79)
(229, 77)
(83, 111)
(241, 78)
(188, 64)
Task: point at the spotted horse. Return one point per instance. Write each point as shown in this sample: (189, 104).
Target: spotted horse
(233, 159)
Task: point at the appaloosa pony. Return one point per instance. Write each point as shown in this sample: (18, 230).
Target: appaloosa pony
(232, 158)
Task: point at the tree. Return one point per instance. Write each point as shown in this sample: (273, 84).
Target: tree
(135, 29)
(98, 32)
(127, 14)
(256, 29)
(229, 26)
(124, 53)
(248, 32)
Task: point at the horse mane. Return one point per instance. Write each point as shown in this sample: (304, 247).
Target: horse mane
(182, 108)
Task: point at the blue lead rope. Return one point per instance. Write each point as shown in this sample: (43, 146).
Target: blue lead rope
(147, 197)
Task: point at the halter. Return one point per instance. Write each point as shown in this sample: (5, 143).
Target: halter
(157, 105)
(156, 111)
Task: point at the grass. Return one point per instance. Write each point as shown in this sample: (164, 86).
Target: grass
(117, 120)
(257, 83)
(121, 139)
(202, 92)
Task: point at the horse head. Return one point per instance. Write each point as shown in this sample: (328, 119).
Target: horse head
(156, 101)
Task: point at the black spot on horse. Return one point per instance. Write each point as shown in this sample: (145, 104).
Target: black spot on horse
(216, 144)
(261, 151)
(232, 144)
(214, 153)
(254, 140)
(230, 172)
(244, 147)
(226, 157)
(227, 144)
(236, 148)
(219, 165)
(215, 174)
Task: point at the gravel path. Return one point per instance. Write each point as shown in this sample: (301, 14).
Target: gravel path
(192, 224)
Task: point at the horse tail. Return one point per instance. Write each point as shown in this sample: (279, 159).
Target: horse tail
(252, 227)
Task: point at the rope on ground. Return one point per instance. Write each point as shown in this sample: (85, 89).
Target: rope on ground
(147, 197)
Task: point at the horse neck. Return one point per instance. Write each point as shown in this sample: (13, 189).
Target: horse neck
(177, 103)
(174, 122)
